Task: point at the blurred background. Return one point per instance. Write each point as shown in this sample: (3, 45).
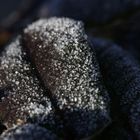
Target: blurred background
(117, 20)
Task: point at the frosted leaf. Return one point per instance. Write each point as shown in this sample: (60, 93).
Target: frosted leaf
(68, 68)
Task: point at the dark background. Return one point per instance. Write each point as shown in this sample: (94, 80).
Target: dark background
(117, 20)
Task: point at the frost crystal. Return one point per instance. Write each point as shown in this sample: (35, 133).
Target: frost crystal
(61, 52)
